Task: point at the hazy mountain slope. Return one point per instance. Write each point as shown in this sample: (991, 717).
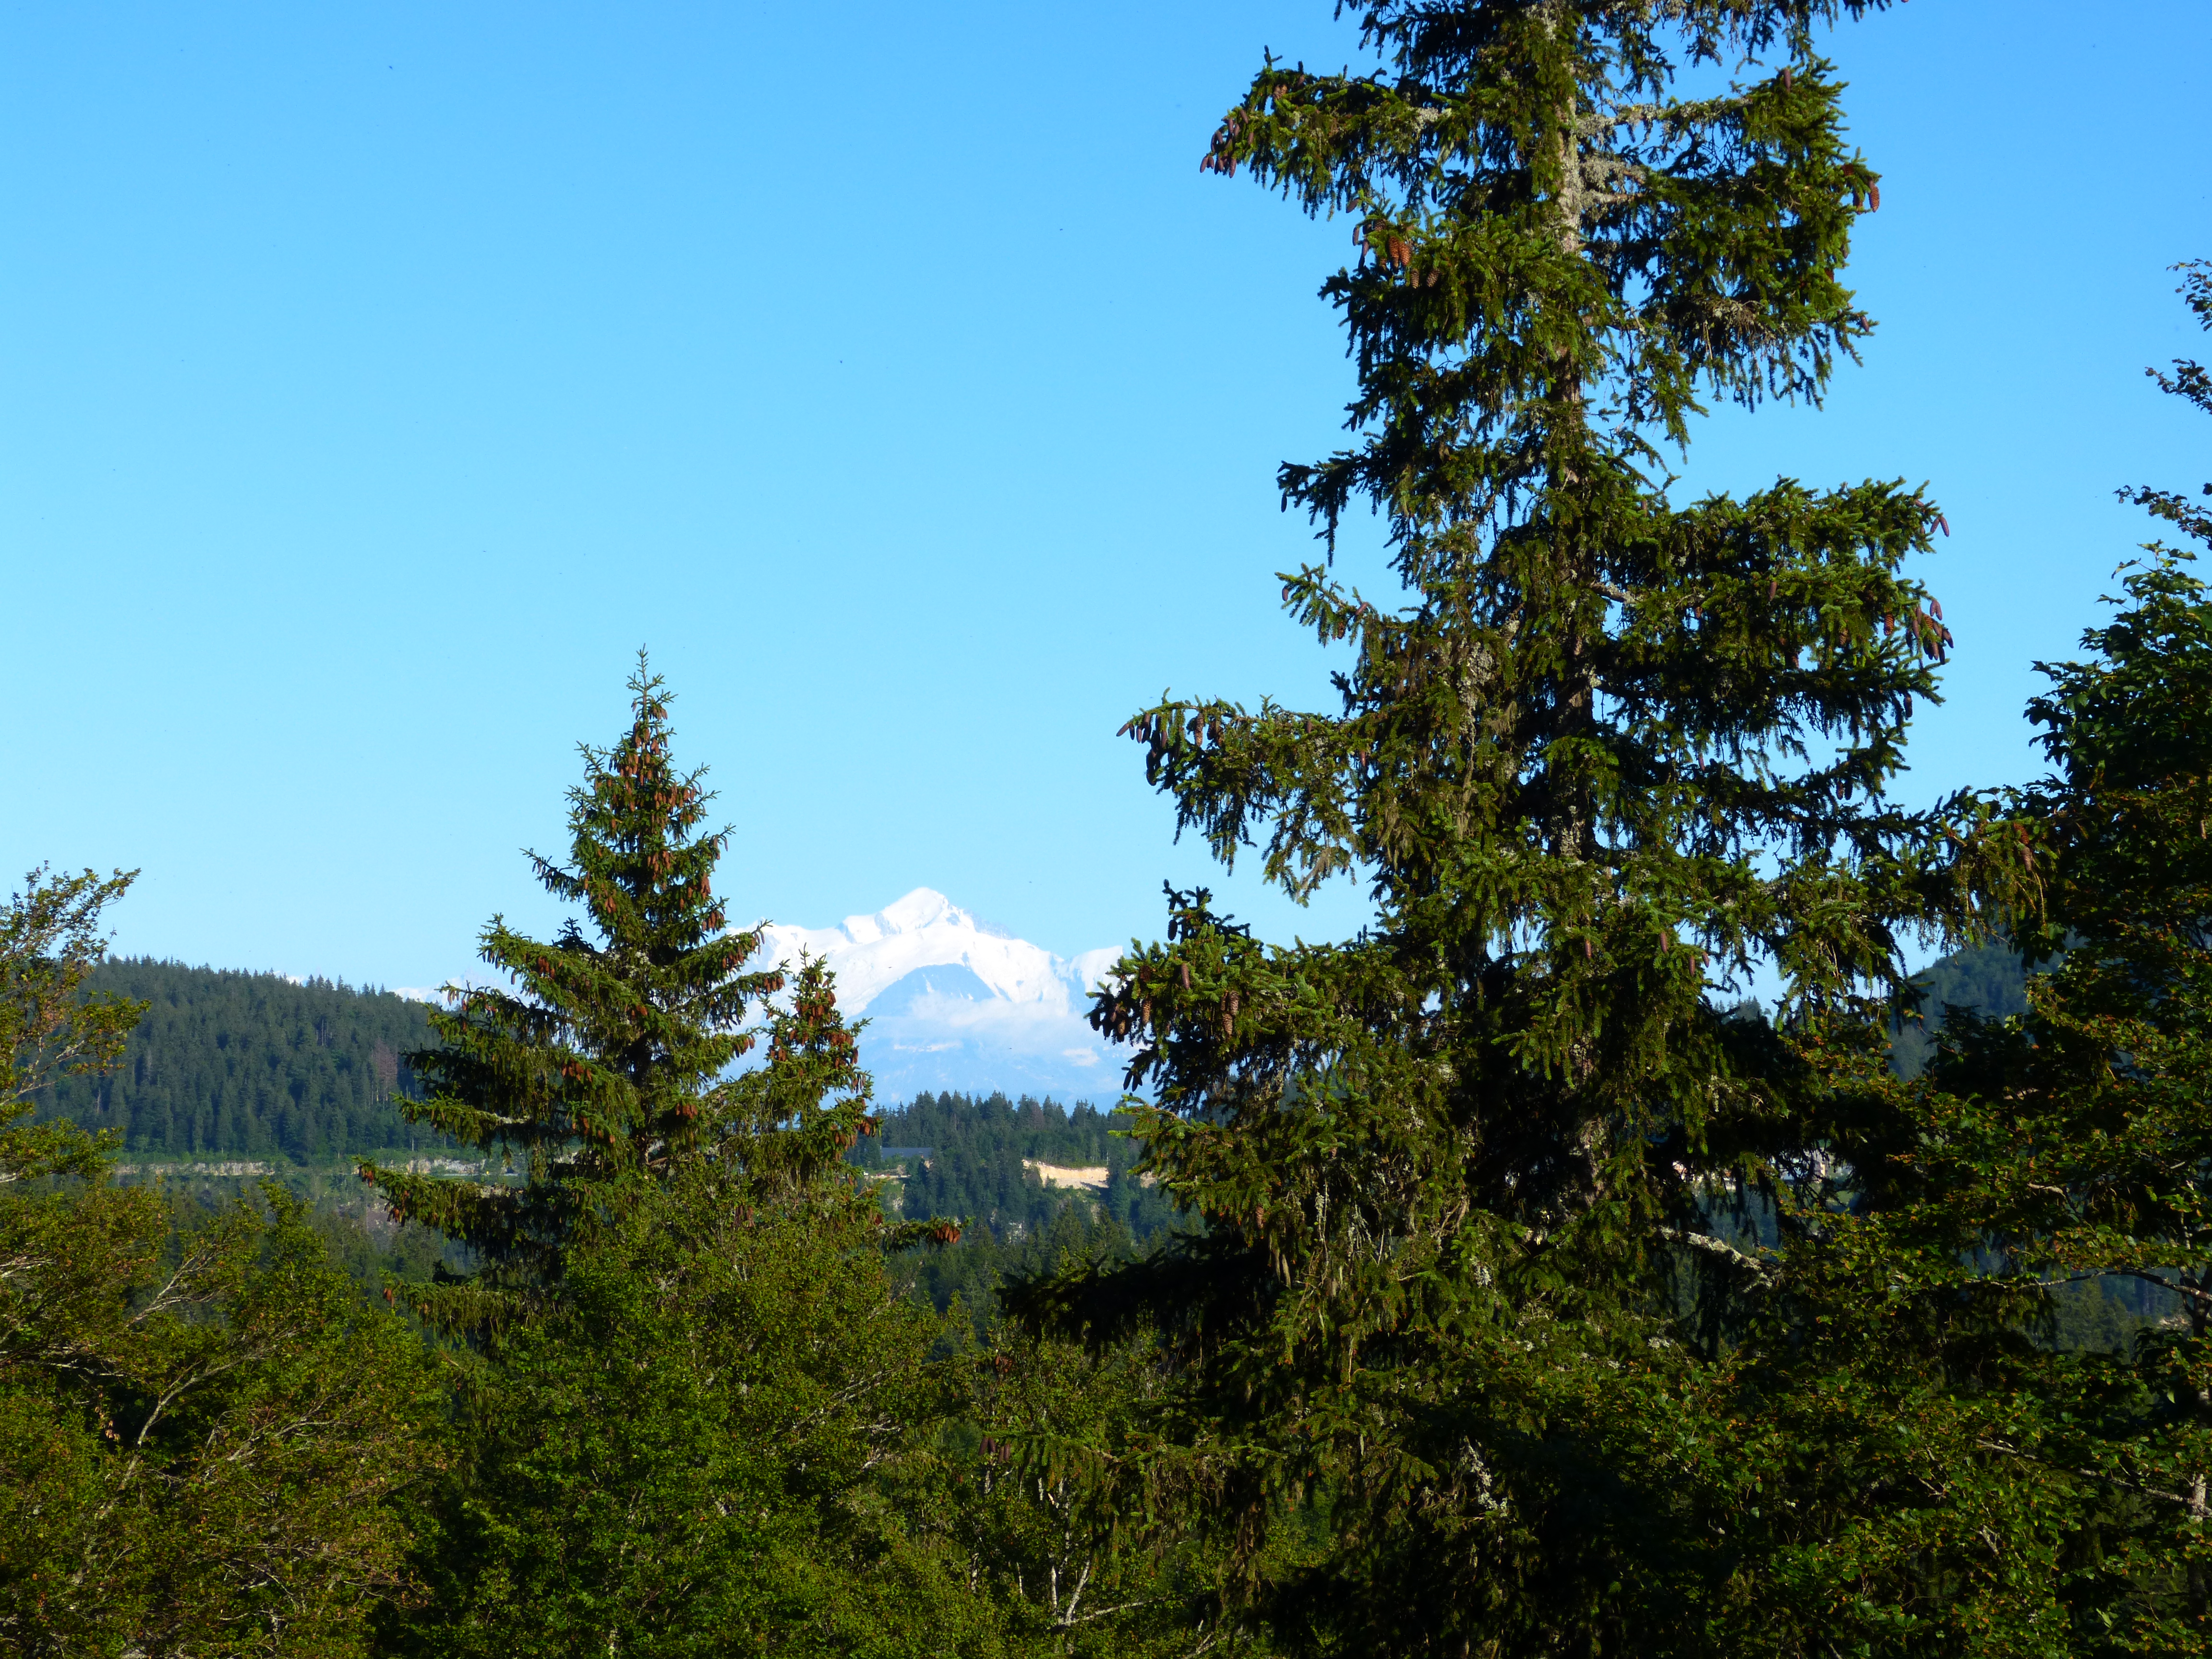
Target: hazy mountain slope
(1988, 979)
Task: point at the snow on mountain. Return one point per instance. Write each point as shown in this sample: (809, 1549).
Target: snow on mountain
(953, 1002)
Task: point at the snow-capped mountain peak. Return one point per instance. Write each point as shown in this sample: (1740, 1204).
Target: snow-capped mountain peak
(924, 929)
(954, 1002)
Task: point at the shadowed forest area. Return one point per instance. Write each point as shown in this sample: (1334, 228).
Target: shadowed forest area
(1500, 1280)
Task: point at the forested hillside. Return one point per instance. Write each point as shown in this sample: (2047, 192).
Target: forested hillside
(992, 1162)
(232, 1064)
(1988, 979)
(246, 1064)
(1033, 1184)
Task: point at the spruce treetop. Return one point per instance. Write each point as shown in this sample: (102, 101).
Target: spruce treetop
(608, 1056)
(1608, 753)
(1553, 254)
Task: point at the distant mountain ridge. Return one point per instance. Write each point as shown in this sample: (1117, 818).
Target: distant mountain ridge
(956, 1003)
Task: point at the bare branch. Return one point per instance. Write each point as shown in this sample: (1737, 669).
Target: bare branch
(1762, 1271)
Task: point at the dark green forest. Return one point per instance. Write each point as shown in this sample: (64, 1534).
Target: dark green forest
(230, 1064)
(983, 1161)
(226, 1065)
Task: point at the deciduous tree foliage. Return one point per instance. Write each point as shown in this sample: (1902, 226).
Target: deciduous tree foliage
(1076, 1574)
(203, 1430)
(50, 944)
(1602, 753)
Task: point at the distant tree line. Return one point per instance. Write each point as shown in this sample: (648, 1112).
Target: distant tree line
(1989, 979)
(233, 1064)
(978, 1159)
(224, 1063)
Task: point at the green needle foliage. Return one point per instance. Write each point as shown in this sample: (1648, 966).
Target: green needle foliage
(595, 1071)
(712, 1442)
(1980, 1487)
(1604, 754)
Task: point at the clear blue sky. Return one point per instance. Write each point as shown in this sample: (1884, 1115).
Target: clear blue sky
(373, 381)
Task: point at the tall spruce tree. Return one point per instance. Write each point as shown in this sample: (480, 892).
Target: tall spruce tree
(601, 1064)
(695, 1409)
(1463, 1256)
